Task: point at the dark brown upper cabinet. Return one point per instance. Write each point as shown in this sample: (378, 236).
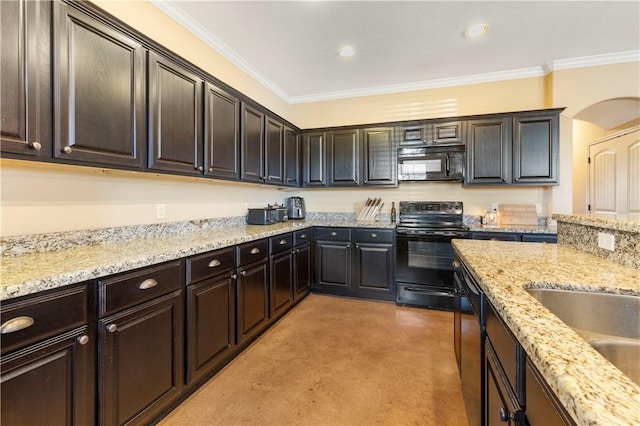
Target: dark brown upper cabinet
(433, 133)
(535, 148)
(175, 117)
(343, 157)
(274, 150)
(99, 86)
(252, 144)
(517, 149)
(25, 67)
(291, 158)
(489, 151)
(314, 159)
(379, 159)
(221, 134)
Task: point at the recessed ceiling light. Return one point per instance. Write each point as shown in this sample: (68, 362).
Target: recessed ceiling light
(347, 51)
(476, 30)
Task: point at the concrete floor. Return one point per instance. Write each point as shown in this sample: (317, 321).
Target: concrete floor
(338, 361)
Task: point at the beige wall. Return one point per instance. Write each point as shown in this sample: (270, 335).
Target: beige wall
(44, 198)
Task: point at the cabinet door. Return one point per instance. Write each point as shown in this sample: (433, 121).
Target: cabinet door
(539, 238)
(342, 158)
(535, 149)
(302, 270)
(447, 132)
(253, 300)
(252, 144)
(50, 383)
(141, 360)
(333, 264)
(221, 133)
(99, 77)
(25, 91)
(501, 404)
(210, 325)
(175, 117)
(291, 158)
(274, 150)
(374, 270)
(314, 158)
(379, 157)
(414, 135)
(281, 284)
(543, 409)
(488, 151)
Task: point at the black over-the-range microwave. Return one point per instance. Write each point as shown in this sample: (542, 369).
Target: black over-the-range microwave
(432, 163)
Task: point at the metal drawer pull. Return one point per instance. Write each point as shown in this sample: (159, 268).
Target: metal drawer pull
(374, 235)
(303, 236)
(255, 250)
(112, 328)
(214, 263)
(283, 242)
(83, 340)
(16, 324)
(147, 284)
(334, 233)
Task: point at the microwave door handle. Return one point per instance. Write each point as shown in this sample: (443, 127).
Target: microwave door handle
(447, 164)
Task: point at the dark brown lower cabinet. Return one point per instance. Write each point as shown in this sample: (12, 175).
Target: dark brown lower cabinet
(252, 300)
(281, 289)
(50, 383)
(141, 360)
(302, 271)
(501, 403)
(375, 263)
(47, 361)
(543, 408)
(210, 325)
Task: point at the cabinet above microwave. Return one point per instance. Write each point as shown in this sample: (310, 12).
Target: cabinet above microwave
(432, 133)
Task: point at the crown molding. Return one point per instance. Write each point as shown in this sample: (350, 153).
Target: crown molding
(592, 61)
(171, 8)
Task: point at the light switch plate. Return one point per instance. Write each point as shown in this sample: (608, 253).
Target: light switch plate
(606, 241)
(160, 213)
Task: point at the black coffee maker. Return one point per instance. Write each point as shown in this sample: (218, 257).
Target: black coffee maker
(295, 208)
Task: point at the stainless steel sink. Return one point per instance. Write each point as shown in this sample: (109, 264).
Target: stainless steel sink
(608, 322)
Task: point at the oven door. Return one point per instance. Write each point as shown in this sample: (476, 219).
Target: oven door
(424, 271)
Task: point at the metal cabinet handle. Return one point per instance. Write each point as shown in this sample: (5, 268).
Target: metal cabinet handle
(255, 250)
(373, 235)
(282, 242)
(210, 169)
(334, 233)
(303, 236)
(243, 273)
(16, 324)
(83, 340)
(67, 150)
(455, 264)
(214, 263)
(112, 328)
(198, 167)
(34, 145)
(504, 416)
(234, 276)
(148, 283)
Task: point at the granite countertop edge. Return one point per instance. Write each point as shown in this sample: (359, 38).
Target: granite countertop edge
(524, 229)
(35, 272)
(591, 389)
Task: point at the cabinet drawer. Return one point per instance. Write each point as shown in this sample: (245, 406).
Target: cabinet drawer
(333, 234)
(210, 264)
(36, 318)
(281, 243)
(301, 237)
(252, 252)
(504, 345)
(374, 235)
(131, 289)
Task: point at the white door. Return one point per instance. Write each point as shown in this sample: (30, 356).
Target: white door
(614, 177)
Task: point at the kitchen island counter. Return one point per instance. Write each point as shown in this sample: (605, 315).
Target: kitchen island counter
(37, 271)
(591, 389)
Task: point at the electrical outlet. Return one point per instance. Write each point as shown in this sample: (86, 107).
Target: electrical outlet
(606, 241)
(160, 213)
(494, 206)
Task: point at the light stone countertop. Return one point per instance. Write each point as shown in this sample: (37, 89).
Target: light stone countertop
(34, 272)
(591, 389)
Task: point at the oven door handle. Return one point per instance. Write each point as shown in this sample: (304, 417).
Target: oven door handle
(425, 290)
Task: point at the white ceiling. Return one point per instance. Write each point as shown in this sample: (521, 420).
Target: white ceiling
(292, 46)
